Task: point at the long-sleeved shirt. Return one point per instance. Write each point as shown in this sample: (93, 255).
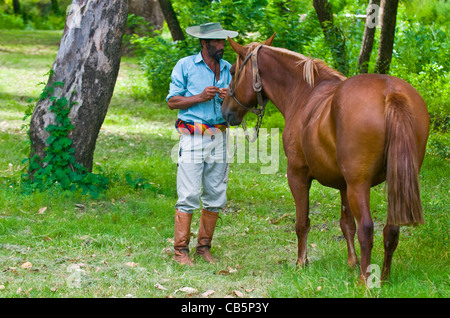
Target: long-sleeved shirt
(190, 76)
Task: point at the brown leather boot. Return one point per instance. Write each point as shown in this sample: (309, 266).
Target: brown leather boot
(182, 238)
(208, 222)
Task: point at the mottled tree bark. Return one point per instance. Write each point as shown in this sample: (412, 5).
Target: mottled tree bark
(87, 62)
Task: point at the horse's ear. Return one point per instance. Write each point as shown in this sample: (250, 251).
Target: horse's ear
(239, 49)
(269, 41)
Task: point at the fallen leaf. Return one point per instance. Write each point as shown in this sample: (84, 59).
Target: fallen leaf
(232, 270)
(187, 290)
(238, 293)
(319, 288)
(285, 215)
(313, 245)
(208, 293)
(42, 210)
(227, 271)
(2, 287)
(26, 265)
(168, 250)
(159, 286)
(132, 264)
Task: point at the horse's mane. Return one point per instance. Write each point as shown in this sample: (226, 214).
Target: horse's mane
(310, 66)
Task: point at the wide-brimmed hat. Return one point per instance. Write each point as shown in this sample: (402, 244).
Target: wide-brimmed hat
(211, 30)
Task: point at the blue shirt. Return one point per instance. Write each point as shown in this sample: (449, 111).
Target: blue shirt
(190, 76)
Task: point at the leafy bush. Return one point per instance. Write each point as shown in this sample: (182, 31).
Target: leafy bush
(421, 58)
(10, 21)
(439, 144)
(157, 57)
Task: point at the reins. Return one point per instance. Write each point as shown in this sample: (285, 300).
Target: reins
(257, 88)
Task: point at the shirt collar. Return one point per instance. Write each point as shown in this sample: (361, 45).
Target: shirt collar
(199, 59)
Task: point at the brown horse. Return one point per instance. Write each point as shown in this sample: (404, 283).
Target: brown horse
(347, 133)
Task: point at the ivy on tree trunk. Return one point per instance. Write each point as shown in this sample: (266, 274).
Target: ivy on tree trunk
(87, 63)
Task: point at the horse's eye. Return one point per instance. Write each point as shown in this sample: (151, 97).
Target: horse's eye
(232, 70)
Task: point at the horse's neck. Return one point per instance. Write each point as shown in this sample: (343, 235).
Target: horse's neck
(285, 85)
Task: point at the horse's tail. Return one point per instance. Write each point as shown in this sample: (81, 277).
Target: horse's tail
(402, 168)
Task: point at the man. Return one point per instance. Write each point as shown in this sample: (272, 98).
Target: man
(199, 83)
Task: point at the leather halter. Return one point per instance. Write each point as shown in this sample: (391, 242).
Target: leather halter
(257, 84)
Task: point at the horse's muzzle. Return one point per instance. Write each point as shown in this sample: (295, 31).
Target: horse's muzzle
(230, 118)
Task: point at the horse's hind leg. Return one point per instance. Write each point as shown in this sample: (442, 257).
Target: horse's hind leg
(348, 229)
(390, 238)
(358, 199)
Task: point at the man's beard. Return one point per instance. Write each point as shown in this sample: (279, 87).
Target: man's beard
(217, 55)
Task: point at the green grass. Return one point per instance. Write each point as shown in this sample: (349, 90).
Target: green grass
(120, 245)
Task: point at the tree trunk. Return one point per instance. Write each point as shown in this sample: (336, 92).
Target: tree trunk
(16, 7)
(387, 37)
(369, 33)
(150, 11)
(55, 7)
(333, 36)
(88, 63)
(172, 20)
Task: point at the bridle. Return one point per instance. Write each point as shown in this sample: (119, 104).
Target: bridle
(257, 88)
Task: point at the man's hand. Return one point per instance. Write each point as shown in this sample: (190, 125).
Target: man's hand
(182, 102)
(223, 92)
(209, 93)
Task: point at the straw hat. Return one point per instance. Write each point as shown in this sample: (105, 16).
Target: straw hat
(211, 30)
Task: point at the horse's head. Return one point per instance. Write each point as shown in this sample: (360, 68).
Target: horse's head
(245, 83)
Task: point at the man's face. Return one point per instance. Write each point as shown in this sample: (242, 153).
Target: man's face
(215, 48)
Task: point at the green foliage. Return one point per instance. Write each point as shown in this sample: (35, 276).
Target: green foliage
(158, 56)
(439, 144)
(421, 58)
(34, 14)
(12, 22)
(59, 168)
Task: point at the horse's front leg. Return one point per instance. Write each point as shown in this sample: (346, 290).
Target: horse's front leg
(300, 184)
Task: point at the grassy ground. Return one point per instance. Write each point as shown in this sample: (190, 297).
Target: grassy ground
(56, 244)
